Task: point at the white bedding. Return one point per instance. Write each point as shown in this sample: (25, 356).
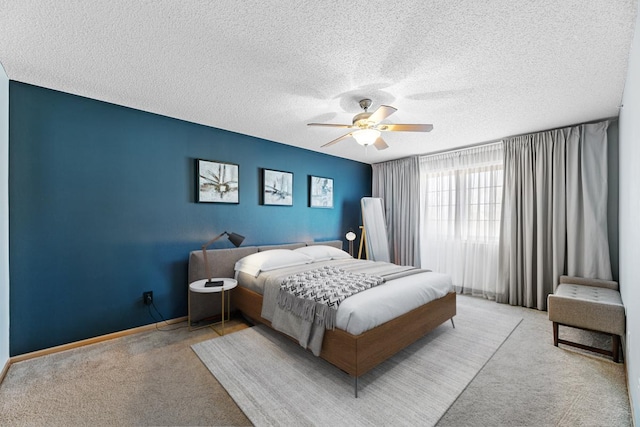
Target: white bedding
(390, 300)
(375, 306)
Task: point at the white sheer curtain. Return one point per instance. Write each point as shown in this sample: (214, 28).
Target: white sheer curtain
(398, 183)
(461, 195)
(554, 217)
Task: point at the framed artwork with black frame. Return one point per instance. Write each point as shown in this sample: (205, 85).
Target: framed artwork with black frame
(320, 192)
(217, 182)
(277, 187)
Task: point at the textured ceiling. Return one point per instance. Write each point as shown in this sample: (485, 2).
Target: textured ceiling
(477, 71)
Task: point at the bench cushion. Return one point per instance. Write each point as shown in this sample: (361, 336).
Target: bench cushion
(587, 307)
(599, 283)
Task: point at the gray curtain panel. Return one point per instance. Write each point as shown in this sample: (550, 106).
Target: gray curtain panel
(554, 212)
(398, 183)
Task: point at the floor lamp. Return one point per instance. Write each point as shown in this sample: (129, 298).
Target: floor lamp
(234, 238)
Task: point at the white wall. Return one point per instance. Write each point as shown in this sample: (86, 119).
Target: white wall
(4, 218)
(629, 218)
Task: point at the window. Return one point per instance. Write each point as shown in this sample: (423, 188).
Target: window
(464, 204)
(461, 208)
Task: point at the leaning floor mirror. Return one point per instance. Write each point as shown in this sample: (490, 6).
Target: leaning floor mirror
(375, 229)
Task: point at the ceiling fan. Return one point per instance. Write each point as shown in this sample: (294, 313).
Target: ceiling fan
(369, 127)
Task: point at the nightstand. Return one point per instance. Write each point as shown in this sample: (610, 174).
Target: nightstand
(199, 287)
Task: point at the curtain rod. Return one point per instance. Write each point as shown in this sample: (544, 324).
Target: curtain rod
(497, 141)
(463, 148)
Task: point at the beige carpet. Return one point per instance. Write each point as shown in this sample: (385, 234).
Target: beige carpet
(150, 378)
(529, 382)
(275, 382)
(154, 378)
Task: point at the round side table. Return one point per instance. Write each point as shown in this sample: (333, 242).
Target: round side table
(199, 286)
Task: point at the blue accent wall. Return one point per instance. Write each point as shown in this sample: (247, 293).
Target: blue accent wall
(102, 207)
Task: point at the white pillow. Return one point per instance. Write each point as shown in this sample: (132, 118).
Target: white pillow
(323, 253)
(270, 260)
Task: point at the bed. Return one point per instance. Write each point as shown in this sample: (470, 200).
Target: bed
(356, 353)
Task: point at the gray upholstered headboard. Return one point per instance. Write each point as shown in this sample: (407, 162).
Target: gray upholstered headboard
(223, 261)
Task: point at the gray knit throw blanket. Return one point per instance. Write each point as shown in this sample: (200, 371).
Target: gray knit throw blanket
(315, 295)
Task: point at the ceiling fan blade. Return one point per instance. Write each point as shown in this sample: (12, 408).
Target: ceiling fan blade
(380, 144)
(381, 113)
(337, 140)
(406, 128)
(333, 125)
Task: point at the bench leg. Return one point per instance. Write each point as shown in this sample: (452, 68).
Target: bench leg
(615, 344)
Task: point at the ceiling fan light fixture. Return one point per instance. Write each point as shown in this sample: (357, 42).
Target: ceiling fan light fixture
(366, 136)
(367, 126)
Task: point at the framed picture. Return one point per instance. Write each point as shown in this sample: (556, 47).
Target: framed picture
(320, 192)
(277, 187)
(217, 182)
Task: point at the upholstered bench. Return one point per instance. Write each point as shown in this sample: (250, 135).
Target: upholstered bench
(590, 304)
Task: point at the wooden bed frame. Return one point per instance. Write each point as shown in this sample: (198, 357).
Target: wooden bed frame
(354, 354)
(358, 354)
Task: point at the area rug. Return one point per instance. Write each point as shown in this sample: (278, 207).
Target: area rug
(276, 382)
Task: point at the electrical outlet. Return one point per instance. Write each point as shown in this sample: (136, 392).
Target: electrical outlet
(147, 297)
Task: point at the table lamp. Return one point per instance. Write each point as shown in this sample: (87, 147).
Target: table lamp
(351, 236)
(234, 238)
